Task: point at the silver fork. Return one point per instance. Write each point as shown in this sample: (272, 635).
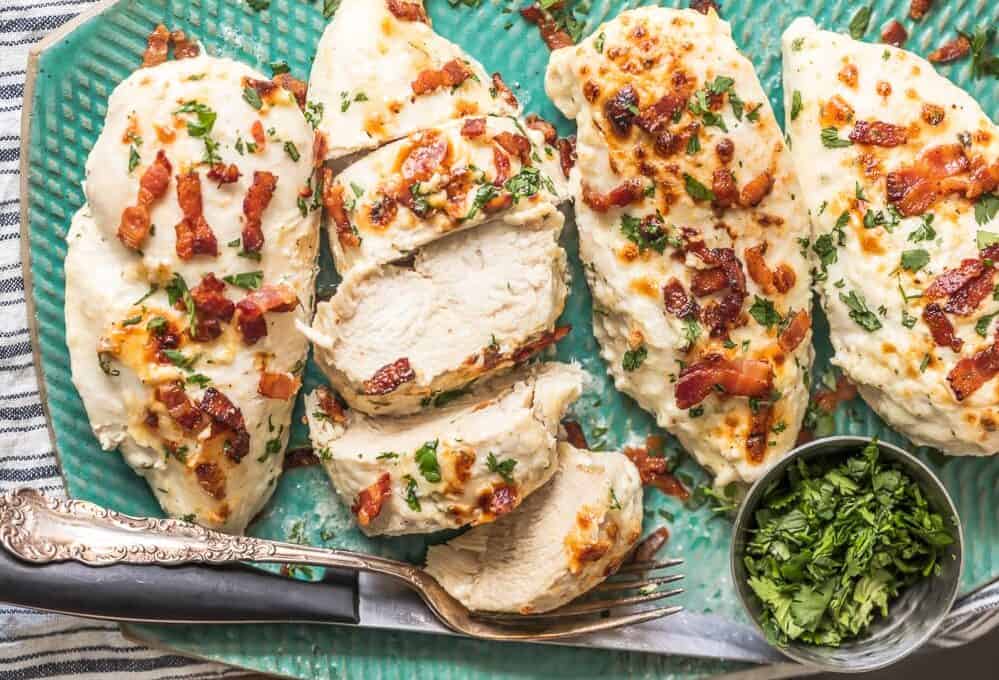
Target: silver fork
(40, 529)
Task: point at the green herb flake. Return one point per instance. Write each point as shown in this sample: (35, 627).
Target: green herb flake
(412, 500)
(502, 468)
(426, 459)
(245, 280)
(292, 151)
(634, 358)
(982, 326)
(252, 97)
(795, 105)
(914, 260)
(696, 190)
(984, 239)
(764, 312)
(859, 312)
(986, 208)
(831, 139)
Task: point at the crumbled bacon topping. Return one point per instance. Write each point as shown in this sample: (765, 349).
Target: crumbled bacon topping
(183, 47)
(259, 138)
(914, 189)
(135, 224)
(369, 502)
(566, 154)
(502, 91)
(499, 501)
(724, 188)
(333, 193)
(194, 235)
(473, 127)
(258, 197)
(574, 434)
(226, 416)
(720, 315)
(451, 74)
(677, 302)
(388, 378)
(970, 373)
(278, 385)
(725, 150)
(919, 8)
(408, 11)
(952, 280)
(894, 34)
(756, 265)
(545, 340)
(738, 377)
(211, 478)
(756, 190)
(958, 48)
(251, 310)
(966, 285)
(554, 37)
(501, 162)
(620, 109)
(179, 405)
(425, 157)
(547, 130)
(157, 47)
(265, 88)
(515, 145)
(224, 174)
(653, 470)
(941, 328)
(211, 306)
(296, 87)
(624, 194)
(932, 114)
(656, 117)
(795, 331)
(877, 133)
(759, 432)
(330, 404)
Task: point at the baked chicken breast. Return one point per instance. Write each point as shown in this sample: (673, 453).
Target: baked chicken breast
(468, 462)
(381, 73)
(562, 542)
(690, 218)
(900, 168)
(185, 275)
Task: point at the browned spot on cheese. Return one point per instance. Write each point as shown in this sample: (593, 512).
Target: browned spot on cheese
(643, 286)
(848, 75)
(888, 348)
(628, 252)
(463, 108)
(869, 242)
(835, 112)
(165, 134)
(374, 125)
(883, 88)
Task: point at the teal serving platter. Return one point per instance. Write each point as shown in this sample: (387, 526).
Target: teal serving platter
(70, 77)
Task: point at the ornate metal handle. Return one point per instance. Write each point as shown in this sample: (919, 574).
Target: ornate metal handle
(40, 529)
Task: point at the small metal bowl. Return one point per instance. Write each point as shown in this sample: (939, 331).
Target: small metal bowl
(912, 617)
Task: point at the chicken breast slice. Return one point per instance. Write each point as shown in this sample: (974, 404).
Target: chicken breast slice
(690, 218)
(397, 338)
(381, 73)
(897, 165)
(438, 181)
(468, 462)
(188, 362)
(562, 542)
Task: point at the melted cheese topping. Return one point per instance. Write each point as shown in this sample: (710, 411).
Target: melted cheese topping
(899, 370)
(644, 49)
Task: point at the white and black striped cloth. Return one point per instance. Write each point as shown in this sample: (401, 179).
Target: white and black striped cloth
(35, 644)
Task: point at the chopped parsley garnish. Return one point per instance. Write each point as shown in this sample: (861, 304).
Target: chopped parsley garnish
(696, 190)
(204, 118)
(252, 97)
(176, 289)
(133, 158)
(797, 44)
(696, 412)
(199, 379)
(691, 331)
(984, 239)
(445, 397)
(387, 455)
(292, 151)
(835, 543)
(132, 320)
(908, 320)
(411, 498)
(272, 447)
(527, 183)
(831, 139)
(795, 104)
(484, 194)
(614, 503)
(982, 326)
(925, 231)
(986, 208)
(598, 44)
(634, 358)
(180, 360)
(859, 312)
(245, 280)
(699, 106)
(104, 360)
(502, 468)
(156, 325)
(983, 62)
(314, 113)
(279, 67)
(764, 312)
(647, 233)
(152, 290)
(346, 100)
(426, 459)
(859, 22)
(693, 145)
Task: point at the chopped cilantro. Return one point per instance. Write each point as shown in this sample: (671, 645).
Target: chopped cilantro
(502, 468)
(292, 151)
(914, 260)
(426, 459)
(764, 312)
(984, 239)
(925, 231)
(795, 104)
(986, 208)
(831, 139)
(982, 326)
(252, 97)
(411, 498)
(859, 312)
(634, 358)
(245, 280)
(696, 190)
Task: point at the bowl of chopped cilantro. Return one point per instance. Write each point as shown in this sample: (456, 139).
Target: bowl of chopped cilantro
(847, 554)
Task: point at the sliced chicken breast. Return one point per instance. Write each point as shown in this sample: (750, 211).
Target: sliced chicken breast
(381, 73)
(401, 337)
(899, 169)
(689, 219)
(182, 338)
(437, 181)
(468, 462)
(562, 542)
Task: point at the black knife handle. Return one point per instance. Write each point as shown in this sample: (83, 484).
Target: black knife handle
(183, 594)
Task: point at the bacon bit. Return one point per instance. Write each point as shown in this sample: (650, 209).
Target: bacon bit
(333, 202)
(265, 88)
(251, 310)
(211, 479)
(179, 405)
(759, 430)
(566, 154)
(915, 189)
(194, 236)
(452, 74)
(957, 48)
(651, 545)
(941, 328)
(388, 378)
(515, 145)
(135, 224)
(984, 178)
(654, 118)
(408, 11)
(708, 281)
(677, 302)
(970, 373)
(258, 197)
(330, 404)
(620, 196)
(383, 211)
(278, 385)
(545, 340)
(212, 307)
(553, 36)
(504, 92)
(756, 190)
(299, 458)
(224, 174)
(953, 280)
(499, 501)
(320, 147)
(183, 48)
(784, 278)
(739, 377)
(226, 416)
(725, 149)
(894, 34)
(425, 157)
(620, 109)
(473, 127)
(719, 316)
(919, 8)
(933, 114)
(757, 267)
(369, 502)
(574, 434)
(836, 111)
(498, 203)
(724, 188)
(296, 87)
(795, 331)
(157, 46)
(257, 132)
(829, 400)
(877, 133)
(502, 164)
(703, 6)
(966, 300)
(547, 130)
(654, 471)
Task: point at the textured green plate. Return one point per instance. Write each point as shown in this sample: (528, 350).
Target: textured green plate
(76, 73)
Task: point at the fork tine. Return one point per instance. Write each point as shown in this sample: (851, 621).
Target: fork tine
(635, 585)
(574, 628)
(581, 608)
(648, 566)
